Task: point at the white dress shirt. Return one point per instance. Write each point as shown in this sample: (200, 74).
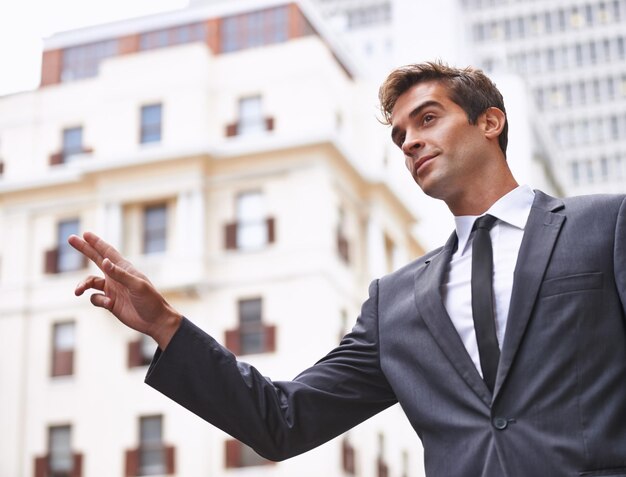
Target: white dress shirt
(512, 212)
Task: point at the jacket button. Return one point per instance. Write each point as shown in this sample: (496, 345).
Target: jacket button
(500, 423)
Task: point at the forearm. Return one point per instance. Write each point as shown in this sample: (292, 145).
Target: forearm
(277, 419)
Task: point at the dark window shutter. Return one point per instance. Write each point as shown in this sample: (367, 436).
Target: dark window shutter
(230, 236)
(231, 130)
(1, 167)
(56, 158)
(269, 123)
(77, 469)
(51, 260)
(233, 341)
(348, 458)
(233, 453)
(383, 470)
(134, 354)
(63, 363)
(270, 338)
(132, 463)
(41, 466)
(170, 453)
(271, 233)
(343, 247)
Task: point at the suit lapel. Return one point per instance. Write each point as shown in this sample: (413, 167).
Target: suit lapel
(540, 235)
(428, 281)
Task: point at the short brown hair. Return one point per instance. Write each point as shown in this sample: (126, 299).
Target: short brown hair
(468, 87)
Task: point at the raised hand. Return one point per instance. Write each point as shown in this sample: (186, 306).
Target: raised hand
(126, 292)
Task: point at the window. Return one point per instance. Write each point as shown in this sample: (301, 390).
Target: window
(547, 20)
(140, 351)
(611, 90)
(59, 461)
(172, 36)
(155, 229)
(604, 169)
(64, 258)
(248, 30)
(240, 455)
(479, 32)
(253, 229)
(152, 457)
(569, 98)
(252, 335)
(369, 15)
(577, 20)
(72, 145)
(250, 118)
(251, 115)
(82, 61)
(72, 142)
(617, 14)
(614, 128)
(151, 117)
(63, 343)
(252, 232)
(251, 332)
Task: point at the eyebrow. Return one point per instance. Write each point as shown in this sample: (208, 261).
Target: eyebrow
(415, 112)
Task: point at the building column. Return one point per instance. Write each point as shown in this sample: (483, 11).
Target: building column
(110, 223)
(190, 223)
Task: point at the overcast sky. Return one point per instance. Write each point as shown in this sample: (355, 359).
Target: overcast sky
(23, 24)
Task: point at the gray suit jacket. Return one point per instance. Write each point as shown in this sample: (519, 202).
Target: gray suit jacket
(559, 403)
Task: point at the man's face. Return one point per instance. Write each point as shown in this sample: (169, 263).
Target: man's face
(443, 151)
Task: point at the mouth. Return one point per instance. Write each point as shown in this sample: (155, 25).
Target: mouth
(421, 161)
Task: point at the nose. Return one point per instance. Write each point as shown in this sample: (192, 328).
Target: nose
(412, 143)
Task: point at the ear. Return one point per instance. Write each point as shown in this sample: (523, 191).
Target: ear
(493, 122)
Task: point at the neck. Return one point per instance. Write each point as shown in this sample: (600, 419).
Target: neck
(478, 200)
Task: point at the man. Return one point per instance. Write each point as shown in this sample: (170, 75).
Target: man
(530, 381)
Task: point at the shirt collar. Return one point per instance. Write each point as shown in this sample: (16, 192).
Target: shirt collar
(512, 208)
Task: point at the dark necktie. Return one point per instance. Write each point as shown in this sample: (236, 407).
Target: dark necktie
(482, 299)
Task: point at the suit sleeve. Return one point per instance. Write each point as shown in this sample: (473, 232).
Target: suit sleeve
(619, 258)
(283, 418)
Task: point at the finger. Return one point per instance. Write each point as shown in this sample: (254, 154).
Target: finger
(101, 301)
(120, 275)
(103, 248)
(86, 249)
(91, 282)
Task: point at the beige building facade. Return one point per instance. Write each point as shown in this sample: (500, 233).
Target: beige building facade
(227, 152)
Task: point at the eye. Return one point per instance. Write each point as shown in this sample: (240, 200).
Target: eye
(428, 117)
(400, 141)
(398, 138)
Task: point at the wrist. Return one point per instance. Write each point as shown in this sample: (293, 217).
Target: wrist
(168, 325)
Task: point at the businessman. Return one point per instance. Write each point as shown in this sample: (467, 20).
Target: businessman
(506, 347)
